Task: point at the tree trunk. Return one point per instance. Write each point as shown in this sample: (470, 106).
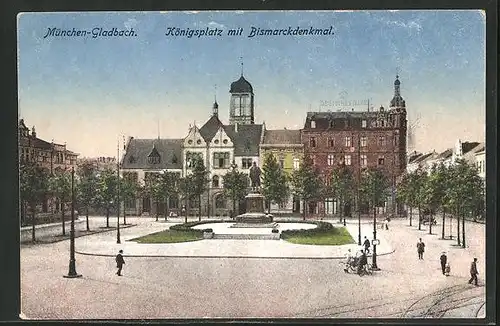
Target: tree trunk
(157, 209)
(444, 220)
(341, 208)
(124, 215)
(186, 212)
(411, 213)
(107, 217)
(166, 209)
(419, 218)
(458, 226)
(431, 217)
(463, 231)
(87, 217)
(304, 210)
(62, 218)
(199, 208)
(33, 222)
(234, 209)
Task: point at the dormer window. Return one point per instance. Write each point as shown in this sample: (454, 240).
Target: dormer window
(154, 157)
(131, 159)
(174, 159)
(313, 124)
(363, 123)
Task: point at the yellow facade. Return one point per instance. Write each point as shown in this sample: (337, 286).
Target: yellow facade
(287, 155)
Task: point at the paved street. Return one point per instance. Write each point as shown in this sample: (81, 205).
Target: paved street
(174, 287)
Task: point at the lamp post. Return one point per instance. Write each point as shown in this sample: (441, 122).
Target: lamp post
(358, 193)
(118, 195)
(375, 241)
(72, 262)
(233, 168)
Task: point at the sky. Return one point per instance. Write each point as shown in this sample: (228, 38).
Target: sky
(91, 92)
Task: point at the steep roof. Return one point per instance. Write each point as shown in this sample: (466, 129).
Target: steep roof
(246, 140)
(282, 137)
(34, 142)
(468, 146)
(423, 157)
(446, 154)
(138, 150)
(413, 157)
(210, 128)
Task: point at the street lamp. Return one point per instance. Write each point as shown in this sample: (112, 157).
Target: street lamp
(72, 262)
(375, 241)
(233, 168)
(118, 194)
(358, 193)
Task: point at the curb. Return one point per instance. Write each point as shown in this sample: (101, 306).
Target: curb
(41, 241)
(232, 257)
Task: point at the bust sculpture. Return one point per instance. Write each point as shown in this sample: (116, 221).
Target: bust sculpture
(255, 175)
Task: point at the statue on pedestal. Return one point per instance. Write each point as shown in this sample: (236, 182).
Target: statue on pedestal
(255, 176)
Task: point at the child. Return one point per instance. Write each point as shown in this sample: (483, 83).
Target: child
(447, 269)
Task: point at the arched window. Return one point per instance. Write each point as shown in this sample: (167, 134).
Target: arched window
(215, 181)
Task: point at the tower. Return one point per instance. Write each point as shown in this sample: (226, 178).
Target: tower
(397, 111)
(241, 105)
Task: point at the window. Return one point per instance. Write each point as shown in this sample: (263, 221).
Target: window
(173, 202)
(313, 159)
(154, 159)
(363, 123)
(332, 123)
(395, 140)
(174, 159)
(220, 202)
(131, 176)
(215, 181)
(347, 159)
(313, 124)
(347, 123)
(330, 159)
(194, 203)
(381, 141)
(382, 123)
(198, 141)
(216, 141)
(221, 160)
(191, 157)
(246, 163)
(363, 141)
(296, 163)
(381, 160)
(331, 142)
(364, 161)
(312, 141)
(348, 141)
(282, 162)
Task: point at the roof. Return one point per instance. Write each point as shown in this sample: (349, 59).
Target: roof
(210, 128)
(34, 142)
(136, 156)
(241, 86)
(468, 146)
(343, 114)
(446, 154)
(246, 140)
(412, 157)
(423, 157)
(282, 137)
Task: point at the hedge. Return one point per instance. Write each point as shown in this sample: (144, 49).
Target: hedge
(323, 227)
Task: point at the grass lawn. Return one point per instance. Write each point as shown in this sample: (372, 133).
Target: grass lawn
(335, 237)
(169, 236)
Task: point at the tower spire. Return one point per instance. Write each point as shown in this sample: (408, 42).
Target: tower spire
(241, 61)
(215, 108)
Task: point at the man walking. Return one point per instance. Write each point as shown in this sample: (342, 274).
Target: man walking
(363, 260)
(473, 272)
(443, 260)
(420, 249)
(367, 244)
(119, 263)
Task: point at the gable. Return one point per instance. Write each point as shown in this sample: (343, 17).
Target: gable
(194, 138)
(221, 139)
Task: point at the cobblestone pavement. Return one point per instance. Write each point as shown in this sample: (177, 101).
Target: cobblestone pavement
(169, 287)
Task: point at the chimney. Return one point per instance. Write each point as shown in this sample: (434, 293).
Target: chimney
(236, 127)
(33, 132)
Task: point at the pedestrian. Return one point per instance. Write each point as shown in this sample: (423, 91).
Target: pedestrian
(386, 222)
(367, 244)
(443, 259)
(447, 269)
(348, 258)
(363, 260)
(420, 249)
(119, 262)
(473, 272)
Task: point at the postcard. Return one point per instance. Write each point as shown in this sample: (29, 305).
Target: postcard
(252, 164)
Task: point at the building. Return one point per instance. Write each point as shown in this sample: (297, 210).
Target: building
(359, 140)
(480, 162)
(219, 145)
(287, 148)
(101, 163)
(51, 156)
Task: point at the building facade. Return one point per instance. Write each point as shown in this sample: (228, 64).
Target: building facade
(287, 148)
(359, 140)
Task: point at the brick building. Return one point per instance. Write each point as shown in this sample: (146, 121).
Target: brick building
(359, 140)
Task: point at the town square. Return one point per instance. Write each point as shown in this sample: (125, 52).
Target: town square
(278, 176)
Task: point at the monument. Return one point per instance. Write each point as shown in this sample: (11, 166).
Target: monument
(254, 203)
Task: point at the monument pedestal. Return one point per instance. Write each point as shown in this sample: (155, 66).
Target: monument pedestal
(255, 210)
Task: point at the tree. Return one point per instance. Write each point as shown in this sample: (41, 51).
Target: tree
(107, 191)
(129, 188)
(417, 192)
(443, 182)
(403, 192)
(306, 183)
(342, 186)
(153, 188)
(200, 181)
(169, 184)
(186, 190)
(465, 191)
(275, 186)
(60, 186)
(432, 193)
(33, 184)
(86, 187)
(236, 185)
(374, 188)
